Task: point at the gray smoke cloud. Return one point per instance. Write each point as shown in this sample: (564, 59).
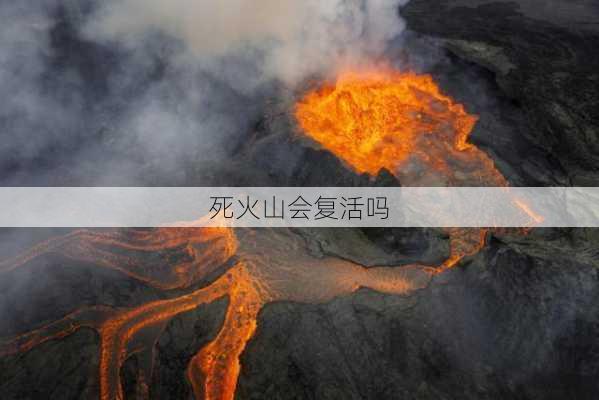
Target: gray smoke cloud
(27, 107)
(293, 38)
(146, 92)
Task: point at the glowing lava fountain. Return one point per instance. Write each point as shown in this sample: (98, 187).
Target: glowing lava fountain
(383, 118)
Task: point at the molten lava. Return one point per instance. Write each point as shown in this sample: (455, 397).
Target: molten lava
(379, 119)
(271, 265)
(181, 255)
(401, 121)
(371, 120)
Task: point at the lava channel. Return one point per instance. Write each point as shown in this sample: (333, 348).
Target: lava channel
(270, 265)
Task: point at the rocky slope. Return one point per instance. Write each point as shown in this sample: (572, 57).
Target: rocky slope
(543, 55)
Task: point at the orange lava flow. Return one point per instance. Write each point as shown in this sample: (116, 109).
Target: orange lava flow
(117, 332)
(182, 256)
(371, 120)
(214, 370)
(401, 121)
(272, 265)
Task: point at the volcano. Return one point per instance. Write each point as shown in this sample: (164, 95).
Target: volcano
(474, 93)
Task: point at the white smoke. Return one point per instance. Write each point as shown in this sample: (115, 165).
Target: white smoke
(293, 38)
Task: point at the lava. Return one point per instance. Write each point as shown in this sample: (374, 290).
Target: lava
(181, 256)
(371, 120)
(378, 119)
(383, 118)
(270, 265)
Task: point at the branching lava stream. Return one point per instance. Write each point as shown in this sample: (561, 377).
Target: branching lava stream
(369, 119)
(271, 265)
